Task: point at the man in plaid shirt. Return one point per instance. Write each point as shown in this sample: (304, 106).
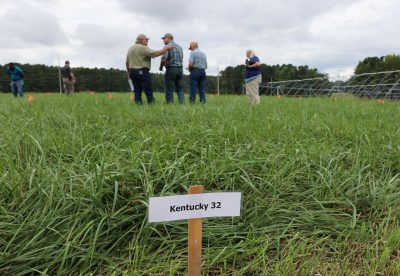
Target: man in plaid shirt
(172, 61)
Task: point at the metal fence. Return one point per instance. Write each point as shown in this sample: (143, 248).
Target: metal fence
(370, 85)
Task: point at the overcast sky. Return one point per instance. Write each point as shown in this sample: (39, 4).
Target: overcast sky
(331, 35)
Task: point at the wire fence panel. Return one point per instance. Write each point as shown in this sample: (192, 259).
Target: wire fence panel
(370, 85)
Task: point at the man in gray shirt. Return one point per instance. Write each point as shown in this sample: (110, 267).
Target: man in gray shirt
(197, 68)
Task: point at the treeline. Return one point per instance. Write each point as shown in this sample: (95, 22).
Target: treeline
(43, 78)
(378, 64)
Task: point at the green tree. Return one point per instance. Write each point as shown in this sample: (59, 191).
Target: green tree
(378, 64)
(391, 62)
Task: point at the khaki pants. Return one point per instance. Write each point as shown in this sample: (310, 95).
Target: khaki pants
(68, 86)
(252, 90)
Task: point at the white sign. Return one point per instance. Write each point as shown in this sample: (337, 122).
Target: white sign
(131, 85)
(169, 208)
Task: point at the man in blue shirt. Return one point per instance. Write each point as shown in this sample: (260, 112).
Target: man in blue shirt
(17, 83)
(253, 77)
(172, 61)
(197, 68)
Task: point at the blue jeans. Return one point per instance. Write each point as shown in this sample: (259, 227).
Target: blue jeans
(197, 82)
(17, 88)
(141, 80)
(173, 82)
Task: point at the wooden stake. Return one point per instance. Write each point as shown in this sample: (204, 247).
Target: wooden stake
(195, 239)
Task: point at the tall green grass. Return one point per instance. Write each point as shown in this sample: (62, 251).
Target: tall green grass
(320, 180)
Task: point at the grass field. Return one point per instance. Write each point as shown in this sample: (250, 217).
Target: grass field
(320, 180)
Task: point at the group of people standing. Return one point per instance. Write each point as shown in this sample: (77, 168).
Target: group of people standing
(138, 65)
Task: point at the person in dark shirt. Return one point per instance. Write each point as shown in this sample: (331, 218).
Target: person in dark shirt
(17, 83)
(252, 77)
(68, 79)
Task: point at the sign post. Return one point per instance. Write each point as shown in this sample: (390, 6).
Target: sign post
(194, 207)
(195, 237)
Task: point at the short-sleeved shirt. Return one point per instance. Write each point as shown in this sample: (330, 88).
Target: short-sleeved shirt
(66, 71)
(139, 56)
(174, 58)
(252, 72)
(198, 59)
(16, 74)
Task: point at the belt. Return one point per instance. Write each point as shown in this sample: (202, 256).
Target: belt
(173, 67)
(139, 69)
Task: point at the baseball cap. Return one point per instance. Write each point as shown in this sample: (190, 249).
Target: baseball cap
(168, 35)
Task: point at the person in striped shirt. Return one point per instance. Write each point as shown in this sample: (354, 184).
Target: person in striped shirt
(172, 61)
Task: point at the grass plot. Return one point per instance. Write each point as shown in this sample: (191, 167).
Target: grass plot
(320, 181)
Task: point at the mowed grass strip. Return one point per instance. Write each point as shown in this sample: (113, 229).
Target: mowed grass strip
(320, 180)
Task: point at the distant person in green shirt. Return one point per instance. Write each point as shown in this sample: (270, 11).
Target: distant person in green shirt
(138, 65)
(17, 83)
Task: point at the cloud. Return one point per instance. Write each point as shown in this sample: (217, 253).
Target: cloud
(329, 35)
(352, 32)
(278, 30)
(164, 11)
(99, 36)
(23, 25)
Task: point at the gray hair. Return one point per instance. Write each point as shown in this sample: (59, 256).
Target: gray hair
(250, 53)
(140, 37)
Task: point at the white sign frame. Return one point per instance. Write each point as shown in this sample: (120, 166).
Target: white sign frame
(204, 205)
